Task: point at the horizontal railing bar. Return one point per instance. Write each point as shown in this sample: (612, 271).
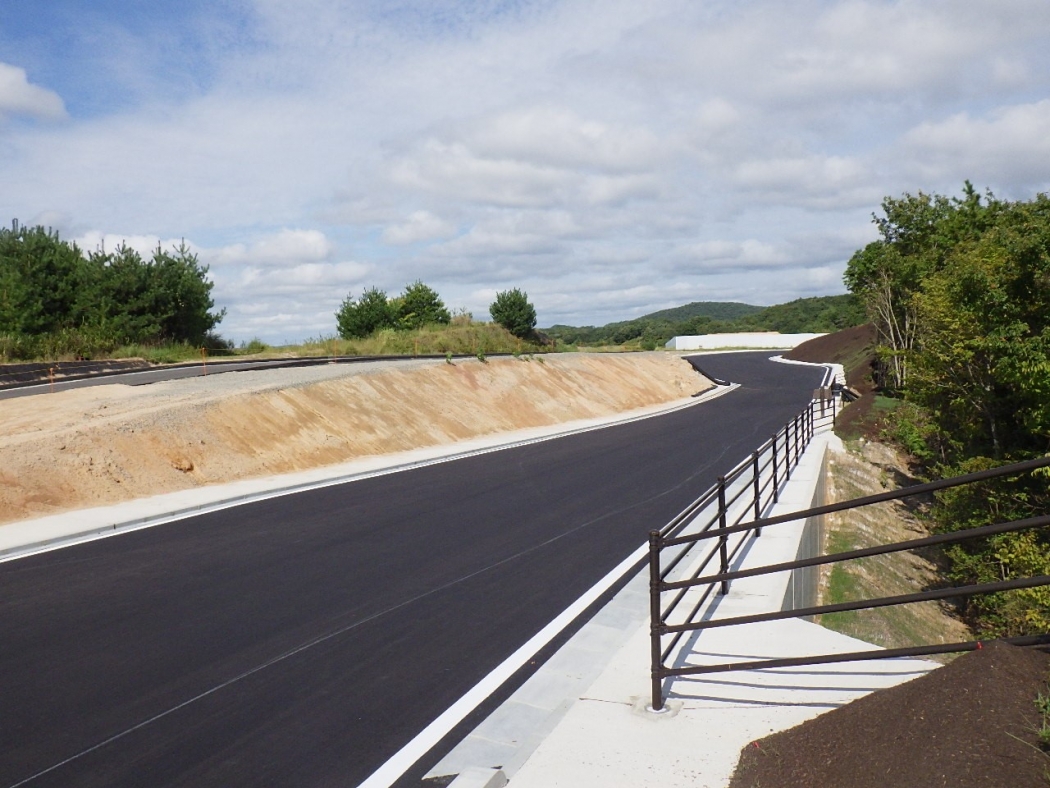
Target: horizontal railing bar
(678, 597)
(683, 517)
(852, 656)
(891, 495)
(849, 555)
(743, 490)
(674, 562)
(737, 470)
(675, 640)
(867, 604)
(711, 493)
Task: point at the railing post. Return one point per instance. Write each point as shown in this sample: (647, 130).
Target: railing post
(757, 490)
(798, 443)
(776, 472)
(655, 620)
(723, 541)
(787, 452)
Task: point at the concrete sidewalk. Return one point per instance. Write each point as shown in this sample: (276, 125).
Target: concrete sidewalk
(582, 720)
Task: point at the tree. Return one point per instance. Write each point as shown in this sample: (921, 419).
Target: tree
(365, 315)
(970, 281)
(39, 281)
(181, 296)
(512, 310)
(919, 234)
(419, 305)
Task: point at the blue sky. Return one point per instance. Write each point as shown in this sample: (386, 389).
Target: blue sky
(611, 158)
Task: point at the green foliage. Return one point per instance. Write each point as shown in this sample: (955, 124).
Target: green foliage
(999, 557)
(959, 290)
(909, 427)
(817, 315)
(54, 300)
(822, 315)
(512, 310)
(713, 310)
(361, 317)
(419, 306)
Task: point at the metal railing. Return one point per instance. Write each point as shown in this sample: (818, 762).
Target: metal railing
(671, 536)
(746, 491)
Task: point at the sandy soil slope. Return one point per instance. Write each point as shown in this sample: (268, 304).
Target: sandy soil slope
(113, 443)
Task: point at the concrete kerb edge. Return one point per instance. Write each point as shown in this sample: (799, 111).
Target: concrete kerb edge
(813, 454)
(138, 523)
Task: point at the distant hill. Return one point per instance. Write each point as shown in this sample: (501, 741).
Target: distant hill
(716, 310)
(804, 315)
(820, 315)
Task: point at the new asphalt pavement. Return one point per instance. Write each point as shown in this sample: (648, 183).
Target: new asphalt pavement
(302, 640)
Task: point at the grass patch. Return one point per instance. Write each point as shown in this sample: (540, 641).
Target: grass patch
(852, 476)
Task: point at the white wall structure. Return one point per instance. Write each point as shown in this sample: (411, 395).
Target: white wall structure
(759, 340)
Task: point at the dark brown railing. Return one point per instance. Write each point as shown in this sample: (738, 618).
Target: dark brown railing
(672, 537)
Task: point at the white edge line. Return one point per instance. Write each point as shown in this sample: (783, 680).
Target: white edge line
(422, 743)
(138, 524)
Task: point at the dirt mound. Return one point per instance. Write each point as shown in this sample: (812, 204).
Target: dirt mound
(851, 347)
(102, 445)
(970, 723)
(854, 349)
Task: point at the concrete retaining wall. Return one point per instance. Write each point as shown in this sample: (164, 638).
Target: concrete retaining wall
(758, 340)
(803, 585)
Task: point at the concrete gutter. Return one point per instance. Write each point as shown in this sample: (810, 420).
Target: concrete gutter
(583, 718)
(26, 537)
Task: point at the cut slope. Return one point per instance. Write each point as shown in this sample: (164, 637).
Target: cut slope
(114, 443)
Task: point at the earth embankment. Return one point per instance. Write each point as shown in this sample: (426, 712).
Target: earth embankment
(112, 443)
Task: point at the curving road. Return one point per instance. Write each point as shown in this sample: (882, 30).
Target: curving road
(303, 640)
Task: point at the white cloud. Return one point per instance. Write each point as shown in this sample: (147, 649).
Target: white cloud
(145, 245)
(609, 158)
(19, 97)
(419, 226)
(1010, 143)
(283, 250)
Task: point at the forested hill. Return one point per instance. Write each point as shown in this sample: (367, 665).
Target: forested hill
(822, 314)
(716, 310)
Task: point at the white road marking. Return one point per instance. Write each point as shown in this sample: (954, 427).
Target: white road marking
(387, 774)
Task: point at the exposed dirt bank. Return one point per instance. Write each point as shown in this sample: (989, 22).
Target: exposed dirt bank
(107, 444)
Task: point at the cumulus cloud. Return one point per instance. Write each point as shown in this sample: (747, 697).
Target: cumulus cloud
(1011, 143)
(283, 249)
(419, 226)
(20, 97)
(610, 164)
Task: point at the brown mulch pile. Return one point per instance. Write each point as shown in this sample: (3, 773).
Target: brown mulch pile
(970, 723)
(854, 349)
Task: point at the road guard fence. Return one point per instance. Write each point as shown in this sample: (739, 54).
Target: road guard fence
(743, 494)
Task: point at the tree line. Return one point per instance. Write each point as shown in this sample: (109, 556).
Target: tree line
(54, 295)
(959, 291)
(805, 315)
(419, 305)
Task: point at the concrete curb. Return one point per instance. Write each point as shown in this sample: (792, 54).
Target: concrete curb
(25, 537)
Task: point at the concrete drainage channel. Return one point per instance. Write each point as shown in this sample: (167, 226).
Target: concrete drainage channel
(492, 754)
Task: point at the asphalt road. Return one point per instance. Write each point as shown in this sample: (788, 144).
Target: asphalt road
(303, 640)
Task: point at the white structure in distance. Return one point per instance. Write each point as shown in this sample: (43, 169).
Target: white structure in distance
(758, 340)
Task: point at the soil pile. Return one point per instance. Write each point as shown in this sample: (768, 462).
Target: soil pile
(101, 445)
(970, 723)
(854, 348)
